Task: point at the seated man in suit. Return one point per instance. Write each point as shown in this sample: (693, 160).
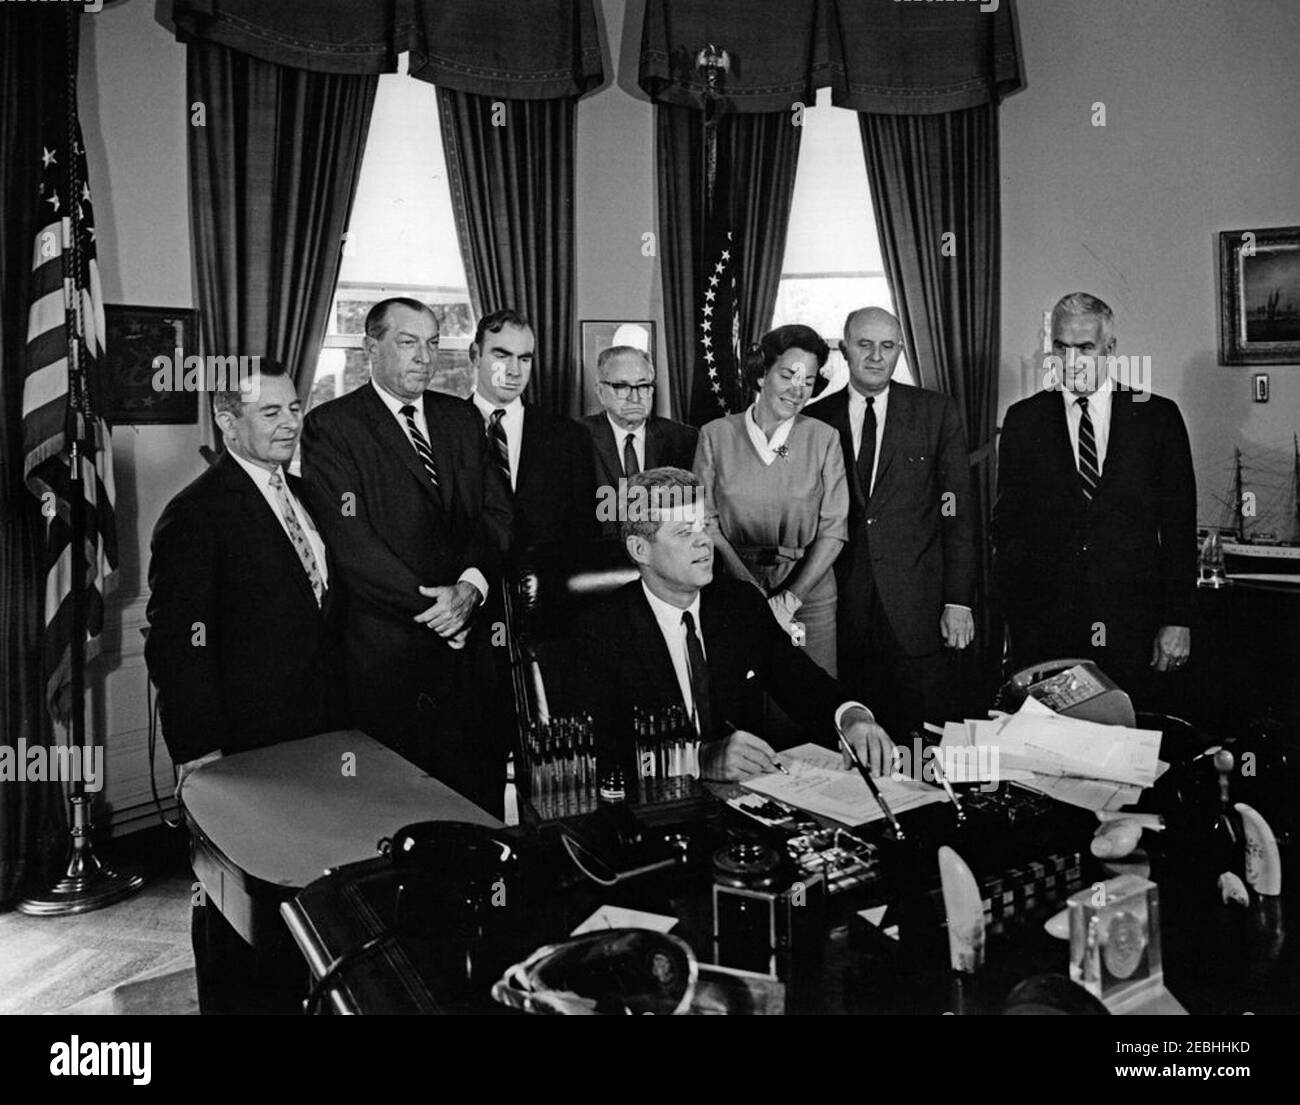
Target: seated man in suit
(545, 459)
(625, 436)
(243, 641)
(677, 637)
(1094, 526)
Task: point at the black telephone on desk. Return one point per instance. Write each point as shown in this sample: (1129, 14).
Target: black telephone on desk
(460, 899)
(1075, 688)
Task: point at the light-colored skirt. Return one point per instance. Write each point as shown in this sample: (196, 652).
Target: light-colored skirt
(817, 612)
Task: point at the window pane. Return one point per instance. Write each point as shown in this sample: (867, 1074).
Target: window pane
(832, 263)
(401, 241)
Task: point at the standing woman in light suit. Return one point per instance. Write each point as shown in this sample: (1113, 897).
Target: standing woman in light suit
(776, 481)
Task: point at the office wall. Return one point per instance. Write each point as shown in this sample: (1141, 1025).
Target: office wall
(1200, 136)
(618, 270)
(132, 100)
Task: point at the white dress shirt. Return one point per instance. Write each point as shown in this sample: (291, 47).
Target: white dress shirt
(513, 421)
(638, 441)
(469, 575)
(1099, 404)
(669, 619)
(767, 447)
(858, 415)
(262, 479)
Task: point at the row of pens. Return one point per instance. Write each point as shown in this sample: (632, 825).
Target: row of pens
(566, 778)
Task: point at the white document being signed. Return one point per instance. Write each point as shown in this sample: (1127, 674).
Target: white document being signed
(819, 784)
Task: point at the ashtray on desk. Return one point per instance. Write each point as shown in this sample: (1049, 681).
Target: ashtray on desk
(615, 972)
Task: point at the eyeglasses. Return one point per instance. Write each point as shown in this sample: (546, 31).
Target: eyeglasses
(625, 391)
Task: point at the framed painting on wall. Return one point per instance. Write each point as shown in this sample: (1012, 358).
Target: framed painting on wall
(134, 337)
(1259, 296)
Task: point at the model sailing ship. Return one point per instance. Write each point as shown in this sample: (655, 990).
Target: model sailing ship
(1252, 544)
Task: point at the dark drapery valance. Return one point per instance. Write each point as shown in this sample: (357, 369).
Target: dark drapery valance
(479, 46)
(542, 50)
(894, 57)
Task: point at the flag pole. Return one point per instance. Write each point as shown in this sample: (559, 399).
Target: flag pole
(86, 884)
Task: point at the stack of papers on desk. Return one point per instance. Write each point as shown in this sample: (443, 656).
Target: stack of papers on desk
(819, 784)
(1081, 762)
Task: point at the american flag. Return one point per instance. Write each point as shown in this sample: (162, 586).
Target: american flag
(61, 394)
(717, 388)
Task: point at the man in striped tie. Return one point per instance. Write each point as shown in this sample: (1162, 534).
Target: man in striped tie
(417, 516)
(1094, 527)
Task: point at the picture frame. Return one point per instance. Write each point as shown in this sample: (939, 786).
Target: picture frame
(597, 335)
(134, 337)
(1259, 296)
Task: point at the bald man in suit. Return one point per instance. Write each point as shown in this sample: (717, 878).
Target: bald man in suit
(907, 578)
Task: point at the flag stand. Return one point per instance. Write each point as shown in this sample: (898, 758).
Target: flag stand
(86, 883)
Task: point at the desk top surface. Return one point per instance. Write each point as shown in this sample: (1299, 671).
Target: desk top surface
(285, 813)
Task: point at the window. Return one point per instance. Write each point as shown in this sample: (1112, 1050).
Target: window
(401, 241)
(832, 261)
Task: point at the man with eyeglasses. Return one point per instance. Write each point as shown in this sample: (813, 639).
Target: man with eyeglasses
(626, 436)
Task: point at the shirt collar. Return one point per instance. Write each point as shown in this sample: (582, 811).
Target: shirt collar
(881, 401)
(260, 475)
(620, 433)
(395, 404)
(513, 409)
(669, 616)
(767, 449)
(1098, 401)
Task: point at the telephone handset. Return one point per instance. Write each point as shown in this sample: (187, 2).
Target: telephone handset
(1073, 687)
(457, 879)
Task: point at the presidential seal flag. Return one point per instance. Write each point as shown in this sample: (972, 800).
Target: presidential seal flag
(67, 448)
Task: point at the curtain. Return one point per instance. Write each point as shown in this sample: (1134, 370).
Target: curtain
(758, 153)
(273, 172)
(510, 167)
(483, 46)
(877, 55)
(33, 74)
(931, 175)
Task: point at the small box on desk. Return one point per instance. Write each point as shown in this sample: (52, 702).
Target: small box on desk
(1115, 940)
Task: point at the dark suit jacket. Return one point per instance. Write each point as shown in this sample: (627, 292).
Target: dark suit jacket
(625, 663)
(555, 488)
(919, 555)
(1128, 560)
(241, 653)
(667, 444)
(391, 531)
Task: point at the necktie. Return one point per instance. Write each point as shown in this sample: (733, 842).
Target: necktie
(421, 444)
(500, 444)
(1089, 473)
(867, 449)
(700, 689)
(296, 535)
(630, 465)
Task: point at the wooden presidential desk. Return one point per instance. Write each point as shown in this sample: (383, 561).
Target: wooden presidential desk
(1217, 959)
(266, 823)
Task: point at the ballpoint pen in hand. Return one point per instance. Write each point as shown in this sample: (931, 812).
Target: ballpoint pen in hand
(871, 785)
(736, 729)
